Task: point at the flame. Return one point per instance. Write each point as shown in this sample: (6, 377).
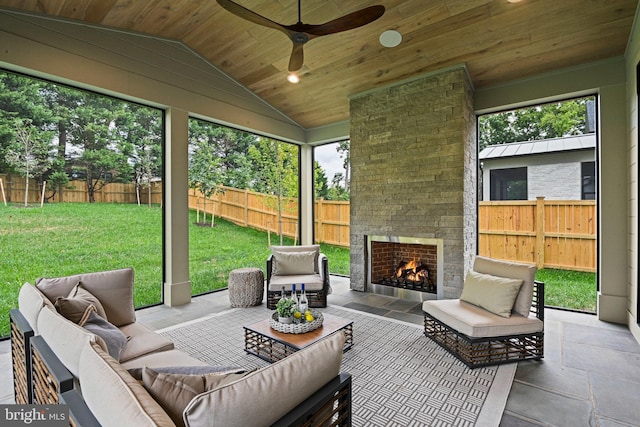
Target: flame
(413, 275)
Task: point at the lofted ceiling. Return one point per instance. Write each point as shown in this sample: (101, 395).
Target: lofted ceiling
(498, 41)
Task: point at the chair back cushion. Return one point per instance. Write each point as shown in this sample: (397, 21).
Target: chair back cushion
(30, 302)
(290, 260)
(512, 270)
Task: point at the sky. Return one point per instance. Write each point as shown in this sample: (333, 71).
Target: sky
(329, 159)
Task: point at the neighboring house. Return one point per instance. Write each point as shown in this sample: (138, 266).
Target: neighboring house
(557, 169)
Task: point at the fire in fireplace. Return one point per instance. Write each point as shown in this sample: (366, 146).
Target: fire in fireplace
(412, 274)
(405, 265)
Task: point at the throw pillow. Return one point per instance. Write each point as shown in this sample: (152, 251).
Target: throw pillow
(189, 370)
(81, 293)
(288, 263)
(174, 391)
(113, 337)
(75, 310)
(493, 293)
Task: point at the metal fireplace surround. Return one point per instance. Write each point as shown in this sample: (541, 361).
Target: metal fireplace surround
(407, 294)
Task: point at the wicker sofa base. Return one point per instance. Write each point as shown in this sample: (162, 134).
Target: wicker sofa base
(477, 352)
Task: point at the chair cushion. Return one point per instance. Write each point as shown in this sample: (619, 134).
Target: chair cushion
(287, 263)
(303, 248)
(493, 293)
(513, 270)
(312, 282)
(272, 391)
(476, 322)
(77, 298)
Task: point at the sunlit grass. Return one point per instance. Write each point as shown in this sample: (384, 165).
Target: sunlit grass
(71, 238)
(569, 289)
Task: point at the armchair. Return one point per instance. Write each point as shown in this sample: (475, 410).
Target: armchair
(298, 264)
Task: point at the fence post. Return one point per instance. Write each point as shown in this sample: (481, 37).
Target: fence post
(319, 217)
(246, 207)
(540, 232)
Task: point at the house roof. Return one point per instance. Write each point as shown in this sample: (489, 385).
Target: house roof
(524, 148)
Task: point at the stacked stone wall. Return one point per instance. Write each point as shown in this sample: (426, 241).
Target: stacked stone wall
(413, 160)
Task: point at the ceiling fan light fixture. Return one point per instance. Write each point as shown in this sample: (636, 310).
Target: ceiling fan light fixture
(390, 38)
(293, 78)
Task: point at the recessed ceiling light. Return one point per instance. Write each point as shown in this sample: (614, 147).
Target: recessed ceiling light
(514, 1)
(293, 78)
(390, 38)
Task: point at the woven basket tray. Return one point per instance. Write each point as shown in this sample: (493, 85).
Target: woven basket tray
(296, 328)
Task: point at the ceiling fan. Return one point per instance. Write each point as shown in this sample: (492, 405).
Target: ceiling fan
(300, 33)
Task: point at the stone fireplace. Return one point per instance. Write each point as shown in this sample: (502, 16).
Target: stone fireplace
(413, 161)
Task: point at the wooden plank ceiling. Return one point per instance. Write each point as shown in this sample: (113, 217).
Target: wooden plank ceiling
(497, 40)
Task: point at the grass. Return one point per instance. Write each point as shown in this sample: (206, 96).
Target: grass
(71, 238)
(575, 290)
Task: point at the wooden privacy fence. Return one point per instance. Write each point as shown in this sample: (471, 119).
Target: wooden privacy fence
(250, 209)
(549, 233)
(76, 192)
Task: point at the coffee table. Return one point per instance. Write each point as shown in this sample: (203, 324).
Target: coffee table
(268, 344)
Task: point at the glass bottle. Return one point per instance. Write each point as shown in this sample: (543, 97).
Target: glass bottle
(294, 296)
(304, 303)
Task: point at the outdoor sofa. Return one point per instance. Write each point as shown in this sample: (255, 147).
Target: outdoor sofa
(114, 371)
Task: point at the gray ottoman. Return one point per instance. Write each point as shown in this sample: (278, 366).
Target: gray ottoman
(246, 287)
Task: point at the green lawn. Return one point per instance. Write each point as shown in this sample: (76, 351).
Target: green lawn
(70, 238)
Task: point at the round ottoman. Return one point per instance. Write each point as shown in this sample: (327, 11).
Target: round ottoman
(246, 287)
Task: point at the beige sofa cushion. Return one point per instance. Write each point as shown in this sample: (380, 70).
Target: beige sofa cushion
(113, 288)
(30, 302)
(493, 293)
(142, 340)
(513, 270)
(114, 397)
(477, 322)
(263, 396)
(65, 338)
(160, 359)
(174, 391)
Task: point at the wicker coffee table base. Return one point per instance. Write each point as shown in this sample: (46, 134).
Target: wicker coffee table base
(271, 345)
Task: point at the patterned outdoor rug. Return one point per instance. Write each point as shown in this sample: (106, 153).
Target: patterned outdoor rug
(400, 378)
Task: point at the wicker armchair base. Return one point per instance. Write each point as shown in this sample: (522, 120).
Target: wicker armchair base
(477, 352)
(317, 299)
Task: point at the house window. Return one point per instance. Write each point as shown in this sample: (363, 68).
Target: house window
(588, 180)
(508, 184)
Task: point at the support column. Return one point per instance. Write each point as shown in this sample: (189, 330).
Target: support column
(177, 287)
(306, 195)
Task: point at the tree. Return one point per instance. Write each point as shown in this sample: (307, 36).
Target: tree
(320, 184)
(343, 150)
(206, 173)
(276, 172)
(545, 121)
(99, 154)
(29, 154)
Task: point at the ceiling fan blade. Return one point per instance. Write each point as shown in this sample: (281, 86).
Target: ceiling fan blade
(297, 57)
(344, 23)
(249, 15)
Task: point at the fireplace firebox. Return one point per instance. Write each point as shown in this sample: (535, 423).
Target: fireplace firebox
(405, 267)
